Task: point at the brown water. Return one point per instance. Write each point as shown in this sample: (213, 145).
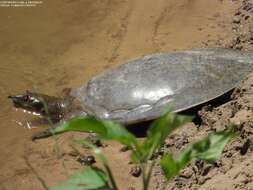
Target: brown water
(63, 43)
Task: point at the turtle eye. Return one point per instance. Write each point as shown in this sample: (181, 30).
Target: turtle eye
(34, 100)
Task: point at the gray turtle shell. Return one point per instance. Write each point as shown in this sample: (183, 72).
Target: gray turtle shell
(141, 89)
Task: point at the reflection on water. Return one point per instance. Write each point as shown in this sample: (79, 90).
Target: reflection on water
(26, 125)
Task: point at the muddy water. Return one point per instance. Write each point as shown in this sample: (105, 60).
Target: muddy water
(63, 43)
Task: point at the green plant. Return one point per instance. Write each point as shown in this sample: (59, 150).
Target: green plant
(208, 149)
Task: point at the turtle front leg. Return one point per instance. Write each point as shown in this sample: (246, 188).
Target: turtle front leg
(42, 134)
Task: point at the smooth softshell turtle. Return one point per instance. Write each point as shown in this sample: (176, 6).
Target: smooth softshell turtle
(141, 89)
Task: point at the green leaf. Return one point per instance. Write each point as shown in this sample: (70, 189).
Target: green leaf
(88, 179)
(208, 149)
(159, 131)
(106, 130)
(119, 133)
(87, 124)
(211, 148)
(169, 166)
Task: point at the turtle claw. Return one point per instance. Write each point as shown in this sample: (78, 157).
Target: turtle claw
(42, 134)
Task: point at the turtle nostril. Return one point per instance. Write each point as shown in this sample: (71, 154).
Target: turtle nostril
(11, 97)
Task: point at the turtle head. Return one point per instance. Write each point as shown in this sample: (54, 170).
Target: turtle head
(40, 104)
(28, 101)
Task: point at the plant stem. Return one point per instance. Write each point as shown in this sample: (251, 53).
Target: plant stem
(114, 185)
(149, 173)
(146, 175)
(144, 178)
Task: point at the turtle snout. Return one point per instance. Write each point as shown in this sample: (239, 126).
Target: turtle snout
(17, 100)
